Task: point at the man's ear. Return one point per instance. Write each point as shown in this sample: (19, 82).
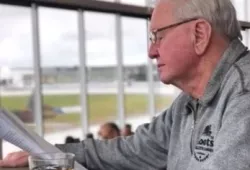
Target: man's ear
(202, 32)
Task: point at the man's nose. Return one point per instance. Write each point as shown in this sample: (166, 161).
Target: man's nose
(153, 51)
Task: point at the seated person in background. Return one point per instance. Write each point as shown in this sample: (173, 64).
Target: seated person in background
(109, 131)
(89, 136)
(127, 131)
(70, 139)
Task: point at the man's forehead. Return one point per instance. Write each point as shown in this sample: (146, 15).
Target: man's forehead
(162, 15)
(107, 126)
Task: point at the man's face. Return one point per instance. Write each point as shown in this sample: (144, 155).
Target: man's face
(126, 131)
(173, 49)
(106, 132)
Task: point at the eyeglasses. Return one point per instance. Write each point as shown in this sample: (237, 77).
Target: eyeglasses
(153, 35)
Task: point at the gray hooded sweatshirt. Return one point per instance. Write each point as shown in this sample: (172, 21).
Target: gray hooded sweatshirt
(212, 133)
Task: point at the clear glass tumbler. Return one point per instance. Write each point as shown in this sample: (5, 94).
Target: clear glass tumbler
(52, 161)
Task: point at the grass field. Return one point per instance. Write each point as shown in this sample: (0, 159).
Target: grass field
(101, 107)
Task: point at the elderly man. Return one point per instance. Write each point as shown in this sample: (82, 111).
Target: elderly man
(197, 46)
(109, 130)
(127, 131)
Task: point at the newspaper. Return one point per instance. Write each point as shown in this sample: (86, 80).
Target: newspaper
(14, 131)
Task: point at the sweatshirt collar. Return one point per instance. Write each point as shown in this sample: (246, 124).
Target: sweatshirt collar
(235, 50)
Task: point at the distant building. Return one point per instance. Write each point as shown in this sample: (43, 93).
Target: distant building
(24, 77)
(5, 76)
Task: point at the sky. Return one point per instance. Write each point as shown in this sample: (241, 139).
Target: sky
(59, 37)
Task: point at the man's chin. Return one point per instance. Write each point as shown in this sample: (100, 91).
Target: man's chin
(165, 80)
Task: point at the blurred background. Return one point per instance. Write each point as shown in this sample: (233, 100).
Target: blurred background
(80, 69)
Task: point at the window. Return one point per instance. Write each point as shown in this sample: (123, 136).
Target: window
(16, 65)
(60, 74)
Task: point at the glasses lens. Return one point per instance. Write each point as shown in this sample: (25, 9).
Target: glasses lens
(152, 37)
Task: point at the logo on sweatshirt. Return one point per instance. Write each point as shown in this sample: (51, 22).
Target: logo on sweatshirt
(205, 145)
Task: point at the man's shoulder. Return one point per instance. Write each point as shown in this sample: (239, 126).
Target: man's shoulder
(244, 61)
(241, 68)
(238, 77)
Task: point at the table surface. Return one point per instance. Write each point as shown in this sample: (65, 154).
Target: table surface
(14, 168)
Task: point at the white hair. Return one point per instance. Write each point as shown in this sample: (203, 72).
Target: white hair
(221, 14)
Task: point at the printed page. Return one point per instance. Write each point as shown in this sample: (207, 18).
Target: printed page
(14, 131)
